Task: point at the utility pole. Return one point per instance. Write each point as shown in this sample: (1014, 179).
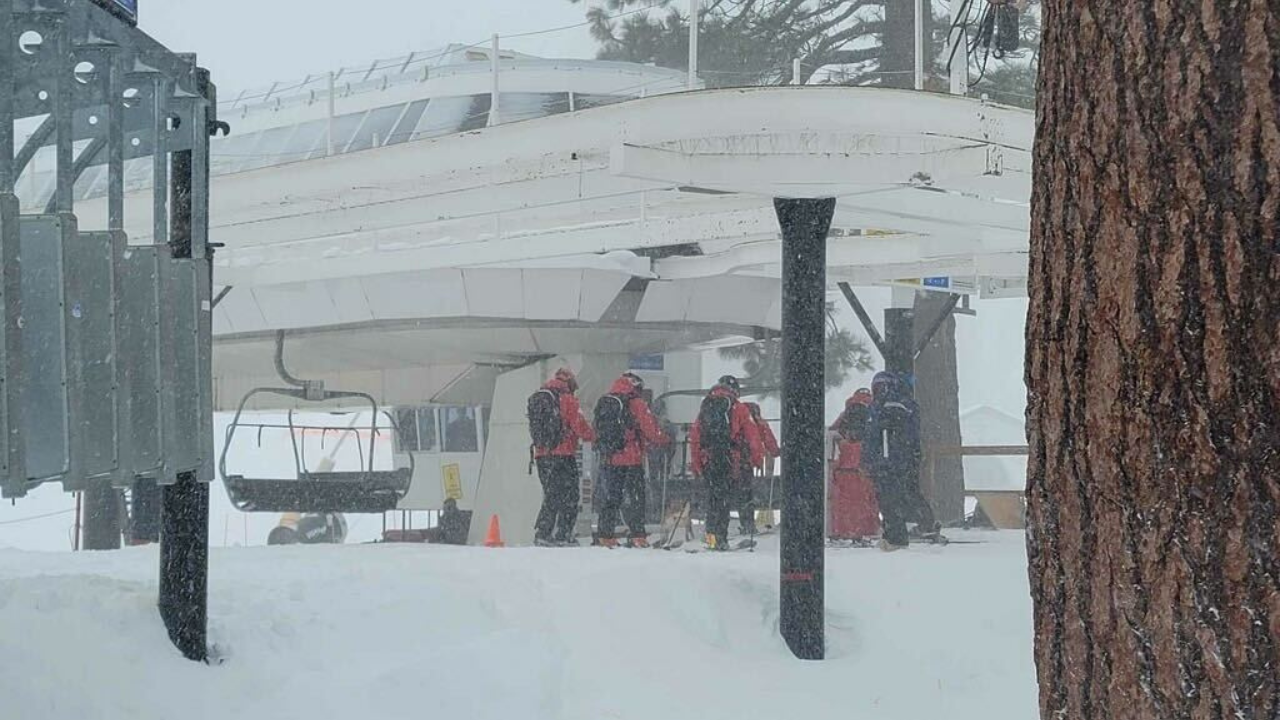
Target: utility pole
(958, 50)
(495, 96)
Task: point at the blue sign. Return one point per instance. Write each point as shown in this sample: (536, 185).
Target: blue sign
(648, 362)
(937, 282)
(127, 9)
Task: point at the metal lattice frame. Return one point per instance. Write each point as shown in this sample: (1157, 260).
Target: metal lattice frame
(98, 91)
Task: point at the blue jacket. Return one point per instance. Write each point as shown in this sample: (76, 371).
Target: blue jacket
(892, 441)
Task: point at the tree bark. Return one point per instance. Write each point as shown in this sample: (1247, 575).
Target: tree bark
(1153, 361)
(898, 50)
(938, 394)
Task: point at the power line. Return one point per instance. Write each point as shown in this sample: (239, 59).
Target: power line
(584, 23)
(37, 517)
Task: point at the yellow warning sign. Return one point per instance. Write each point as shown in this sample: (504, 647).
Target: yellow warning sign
(451, 475)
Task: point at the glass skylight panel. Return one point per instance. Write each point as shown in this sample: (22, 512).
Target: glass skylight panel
(525, 106)
(376, 128)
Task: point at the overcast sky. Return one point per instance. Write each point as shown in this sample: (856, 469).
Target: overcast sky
(250, 43)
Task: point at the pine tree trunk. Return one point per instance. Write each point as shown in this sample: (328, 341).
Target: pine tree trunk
(897, 42)
(1153, 361)
(938, 393)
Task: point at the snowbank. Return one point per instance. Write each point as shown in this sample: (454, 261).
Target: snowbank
(426, 631)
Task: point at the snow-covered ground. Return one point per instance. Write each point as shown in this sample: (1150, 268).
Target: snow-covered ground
(382, 631)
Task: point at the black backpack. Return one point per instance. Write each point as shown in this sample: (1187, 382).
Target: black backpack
(853, 422)
(716, 431)
(546, 427)
(612, 420)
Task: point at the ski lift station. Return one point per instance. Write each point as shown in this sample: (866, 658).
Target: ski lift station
(412, 246)
(431, 235)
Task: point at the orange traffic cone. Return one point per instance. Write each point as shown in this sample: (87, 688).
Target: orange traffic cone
(494, 538)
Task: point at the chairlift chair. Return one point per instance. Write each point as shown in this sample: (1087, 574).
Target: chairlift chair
(355, 491)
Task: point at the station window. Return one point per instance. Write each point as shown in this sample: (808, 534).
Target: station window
(426, 429)
(406, 430)
(460, 430)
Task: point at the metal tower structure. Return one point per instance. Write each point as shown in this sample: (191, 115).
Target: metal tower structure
(105, 346)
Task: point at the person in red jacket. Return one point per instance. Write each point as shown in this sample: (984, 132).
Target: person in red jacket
(558, 466)
(854, 510)
(724, 444)
(769, 443)
(623, 471)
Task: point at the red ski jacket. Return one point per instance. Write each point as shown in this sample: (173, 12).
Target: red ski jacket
(743, 435)
(767, 439)
(574, 428)
(644, 431)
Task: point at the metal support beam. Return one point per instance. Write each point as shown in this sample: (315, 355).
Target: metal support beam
(81, 163)
(13, 467)
(805, 224)
(184, 526)
(867, 323)
(935, 324)
(221, 294)
(38, 139)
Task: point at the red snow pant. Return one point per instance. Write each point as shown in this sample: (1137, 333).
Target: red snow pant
(853, 508)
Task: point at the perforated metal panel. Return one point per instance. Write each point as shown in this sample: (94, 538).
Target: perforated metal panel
(91, 321)
(44, 382)
(139, 335)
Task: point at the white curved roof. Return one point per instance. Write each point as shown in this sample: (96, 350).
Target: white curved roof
(679, 187)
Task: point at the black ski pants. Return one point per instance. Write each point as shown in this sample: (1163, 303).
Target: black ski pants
(898, 489)
(560, 495)
(625, 495)
(720, 490)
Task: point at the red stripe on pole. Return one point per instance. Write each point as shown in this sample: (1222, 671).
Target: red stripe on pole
(797, 577)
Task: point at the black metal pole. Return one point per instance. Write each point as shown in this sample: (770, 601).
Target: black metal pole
(184, 564)
(184, 524)
(805, 224)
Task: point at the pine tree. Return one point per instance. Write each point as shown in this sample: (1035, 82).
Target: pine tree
(762, 361)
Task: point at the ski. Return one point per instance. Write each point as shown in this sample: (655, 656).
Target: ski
(745, 544)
